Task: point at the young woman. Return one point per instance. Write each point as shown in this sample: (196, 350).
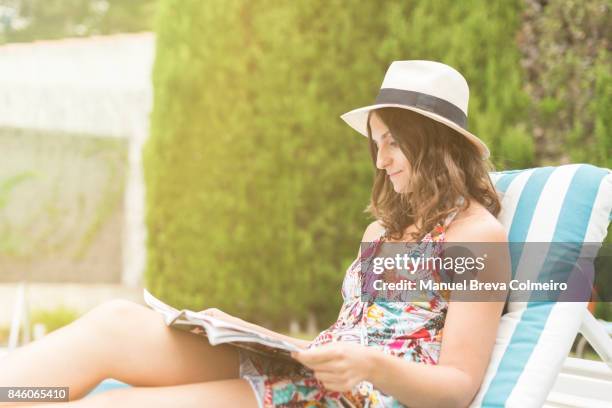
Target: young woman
(431, 186)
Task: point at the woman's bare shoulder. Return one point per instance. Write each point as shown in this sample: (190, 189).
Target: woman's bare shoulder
(373, 231)
(476, 224)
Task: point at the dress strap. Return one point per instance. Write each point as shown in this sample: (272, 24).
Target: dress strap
(452, 215)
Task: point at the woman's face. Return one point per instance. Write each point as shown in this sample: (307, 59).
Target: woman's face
(390, 157)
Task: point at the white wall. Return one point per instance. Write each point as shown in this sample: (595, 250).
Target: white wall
(98, 85)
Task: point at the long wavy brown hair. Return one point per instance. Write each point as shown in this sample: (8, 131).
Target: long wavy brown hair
(445, 165)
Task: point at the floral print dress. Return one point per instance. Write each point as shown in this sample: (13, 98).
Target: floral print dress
(409, 330)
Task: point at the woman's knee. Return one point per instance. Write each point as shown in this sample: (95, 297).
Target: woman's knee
(118, 316)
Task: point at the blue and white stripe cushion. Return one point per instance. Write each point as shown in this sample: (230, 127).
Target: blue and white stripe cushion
(569, 203)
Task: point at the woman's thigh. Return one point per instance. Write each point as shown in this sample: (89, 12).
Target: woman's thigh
(143, 351)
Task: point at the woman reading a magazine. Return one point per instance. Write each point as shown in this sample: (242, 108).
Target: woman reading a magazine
(431, 186)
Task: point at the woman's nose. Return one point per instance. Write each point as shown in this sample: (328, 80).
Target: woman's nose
(382, 159)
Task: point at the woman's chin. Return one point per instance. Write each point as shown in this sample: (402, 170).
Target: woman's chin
(400, 189)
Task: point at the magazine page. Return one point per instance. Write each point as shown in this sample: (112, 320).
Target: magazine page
(219, 331)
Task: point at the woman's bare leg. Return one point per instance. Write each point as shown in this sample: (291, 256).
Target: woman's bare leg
(224, 393)
(122, 340)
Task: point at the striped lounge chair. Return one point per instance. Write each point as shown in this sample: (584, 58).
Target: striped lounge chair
(568, 203)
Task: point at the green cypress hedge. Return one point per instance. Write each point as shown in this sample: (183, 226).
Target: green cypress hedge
(255, 187)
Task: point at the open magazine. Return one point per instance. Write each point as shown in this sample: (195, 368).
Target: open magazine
(219, 331)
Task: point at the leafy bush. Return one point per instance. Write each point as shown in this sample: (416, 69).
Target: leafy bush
(564, 44)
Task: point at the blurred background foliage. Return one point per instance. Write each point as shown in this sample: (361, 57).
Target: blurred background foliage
(256, 188)
(566, 55)
(53, 319)
(50, 319)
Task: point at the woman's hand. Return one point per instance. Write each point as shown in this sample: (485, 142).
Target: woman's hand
(340, 366)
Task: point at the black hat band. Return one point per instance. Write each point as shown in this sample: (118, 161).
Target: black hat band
(423, 101)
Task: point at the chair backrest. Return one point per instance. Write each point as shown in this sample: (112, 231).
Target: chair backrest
(569, 203)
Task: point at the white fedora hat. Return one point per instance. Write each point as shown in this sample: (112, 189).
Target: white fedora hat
(429, 88)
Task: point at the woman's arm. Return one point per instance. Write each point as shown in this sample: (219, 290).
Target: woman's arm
(457, 377)
(429, 385)
(468, 338)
